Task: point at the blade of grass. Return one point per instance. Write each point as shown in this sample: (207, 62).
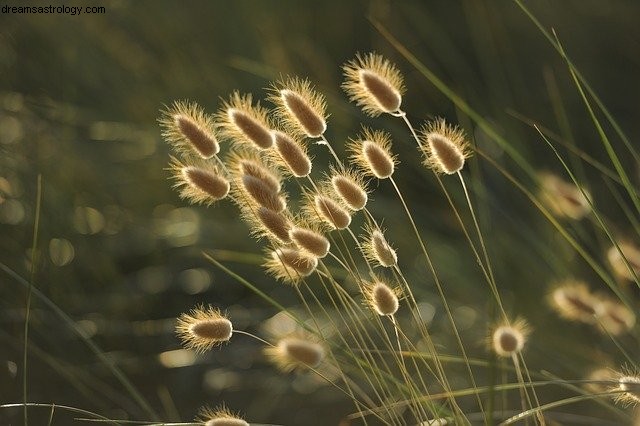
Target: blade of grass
(32, 274)
(122, 378)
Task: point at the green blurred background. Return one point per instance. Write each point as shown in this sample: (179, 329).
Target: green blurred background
(122, 255)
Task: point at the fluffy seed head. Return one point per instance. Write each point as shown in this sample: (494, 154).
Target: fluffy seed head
(220, 416)
(261, 192)
(351, 188)
(291, 155)
(292, 353)
(245, 123)
(616, 318)
(189, 130)
(310, 240)
(198, 181)
(300, 106)
(268, 223)
(382, 298)
(329, 211)
(276, 223)
(203, 328)
(245, 162)
(372, 153)
(573, 300)
(377, 249)
(508, 340)
(374, 84)
(617, 257)
(627, 390)
(290, 265)
(444, 147)
(564, 199)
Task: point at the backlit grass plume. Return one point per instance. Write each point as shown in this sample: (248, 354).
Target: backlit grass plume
(374, 83)
(220, 416)
(445, 147)
(300, 107)
(203, 328)
(188, 129)
(245, 123)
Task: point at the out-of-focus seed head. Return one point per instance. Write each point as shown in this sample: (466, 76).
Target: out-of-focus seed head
(615, 318)
(572, 300)
(509, 339)
(625, 260)
(295, 352)
(564, 199)
(189, 130)
(374, 84)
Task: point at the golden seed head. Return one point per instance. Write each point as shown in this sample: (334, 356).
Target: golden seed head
(615, 318)
(377, 249)
(300, 106)
(310, 241)
(573, 300)
(203, 328)
(220, 416)
(267, 223)
(564, 199)
(372, 153)
(331, 212)
(508, 340)
(291, 155)
(382, 298)
(276, 223)
(617, 257)
(444, 147)
(374, 84)
(243, 162)
(189, 130)
(198, 181)
(245, 123)
(350, 188)
(627, 390)
(290, 265)
(261, 192)
(293, 352)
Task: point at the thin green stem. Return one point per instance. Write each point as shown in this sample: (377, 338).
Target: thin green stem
(34, 263)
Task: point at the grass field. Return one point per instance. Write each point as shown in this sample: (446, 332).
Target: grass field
(166, 244)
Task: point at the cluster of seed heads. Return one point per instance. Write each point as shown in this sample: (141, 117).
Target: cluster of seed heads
(264, 150)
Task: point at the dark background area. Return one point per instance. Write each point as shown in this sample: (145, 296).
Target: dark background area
(120, 254)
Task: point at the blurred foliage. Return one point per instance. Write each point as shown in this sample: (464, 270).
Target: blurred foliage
(122, 255)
